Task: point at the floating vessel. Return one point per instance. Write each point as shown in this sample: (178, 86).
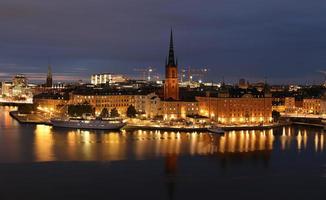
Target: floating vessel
(100, 124)
(217, 130)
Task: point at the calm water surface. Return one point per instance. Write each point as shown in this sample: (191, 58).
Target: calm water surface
(41, 162)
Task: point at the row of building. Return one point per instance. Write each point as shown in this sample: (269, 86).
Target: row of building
(316, 106)
(226, 106)
(18, 89)
(242, 104)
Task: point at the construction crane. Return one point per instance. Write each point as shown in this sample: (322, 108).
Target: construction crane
(189, 74)
(324, 73)
(147, 73)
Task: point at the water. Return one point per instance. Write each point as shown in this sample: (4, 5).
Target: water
(41, 162)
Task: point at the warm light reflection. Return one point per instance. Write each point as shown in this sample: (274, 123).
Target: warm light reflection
(321, 142)
(305, 139)
(44, 142)
(141, 144)
(316, 142)
(299, 140)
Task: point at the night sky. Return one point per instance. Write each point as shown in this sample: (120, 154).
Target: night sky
(282, 40)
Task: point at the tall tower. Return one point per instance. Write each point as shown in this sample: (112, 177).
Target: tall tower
(171, 83)
(49, 77)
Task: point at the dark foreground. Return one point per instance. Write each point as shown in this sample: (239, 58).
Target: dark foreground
(192, 178)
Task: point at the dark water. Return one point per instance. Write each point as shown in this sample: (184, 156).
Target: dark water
(40, 162)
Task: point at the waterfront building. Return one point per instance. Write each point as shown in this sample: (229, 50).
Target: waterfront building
(323, 106)
(289, 104)
(153, 106)
(6, 89)
(311, 106)
(172, 110)
(149, 105)
(18, 89)
(237, 107)
(100, 101)
(51, 102)
(107, 78)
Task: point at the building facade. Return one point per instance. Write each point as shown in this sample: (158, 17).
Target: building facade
(109, 78)
(99, 102)
(247, 109)
(289, 104)
(54, 103)
(311, 106)
(172, 110)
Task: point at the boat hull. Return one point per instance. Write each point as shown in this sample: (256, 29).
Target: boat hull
(216, 130)
(84, 124)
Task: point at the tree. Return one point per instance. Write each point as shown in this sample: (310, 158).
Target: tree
(80, 109)
(131, 111)
(276, 115)
(104, 113)
(26, 108)
(114, 113)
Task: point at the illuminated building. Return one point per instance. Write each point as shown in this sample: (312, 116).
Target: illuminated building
(18, 89)
(153, 107)
(148, 104)
(237, 107)
(101, 101)
(289, 104)
(6, 89)
(171, 83)
(105, 78)
(172, 106)
(312, 106)
(51, 102)
(323, 106)
(19, 79)
(178, 109)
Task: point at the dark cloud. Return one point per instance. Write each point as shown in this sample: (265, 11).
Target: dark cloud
(281, 40)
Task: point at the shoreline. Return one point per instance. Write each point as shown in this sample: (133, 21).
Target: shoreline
(20, 119)
(14, 115)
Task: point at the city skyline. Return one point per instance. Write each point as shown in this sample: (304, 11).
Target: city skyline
(252, 39)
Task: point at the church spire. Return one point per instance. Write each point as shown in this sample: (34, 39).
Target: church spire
(49, 71)
(49, 76)
(171, 60)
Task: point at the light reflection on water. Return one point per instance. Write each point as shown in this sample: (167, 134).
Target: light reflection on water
(60, 144)
(44, 143)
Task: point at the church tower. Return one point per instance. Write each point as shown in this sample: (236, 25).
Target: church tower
(49, 77)
(171, 83)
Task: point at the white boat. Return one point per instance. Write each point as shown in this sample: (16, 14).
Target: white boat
(217, 130)
(107, 124)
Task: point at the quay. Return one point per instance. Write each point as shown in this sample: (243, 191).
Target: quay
(29, 118)
(40, 119)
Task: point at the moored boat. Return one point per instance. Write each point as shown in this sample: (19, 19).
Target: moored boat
(80, 123)
(217, 130)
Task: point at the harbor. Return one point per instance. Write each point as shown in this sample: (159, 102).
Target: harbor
(46, 120)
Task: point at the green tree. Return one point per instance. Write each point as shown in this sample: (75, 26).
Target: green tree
(114, 113)
(104, 113)
(131, 111)
(276, 115)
